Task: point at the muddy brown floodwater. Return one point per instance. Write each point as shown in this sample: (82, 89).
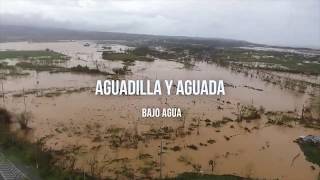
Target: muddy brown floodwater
(81, 119)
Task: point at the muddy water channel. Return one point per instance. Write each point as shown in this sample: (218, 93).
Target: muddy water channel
(109, 132)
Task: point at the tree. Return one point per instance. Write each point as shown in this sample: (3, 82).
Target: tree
(212, 163)
(23, 120)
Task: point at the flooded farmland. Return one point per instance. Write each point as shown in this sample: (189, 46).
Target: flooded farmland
(108, 133)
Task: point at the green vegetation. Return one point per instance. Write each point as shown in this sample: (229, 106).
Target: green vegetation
(41, 161)
(248, 113)
(118, 56)
(32, 60)
(7, 70)
(272, 60)
(37, 66)
(281, 118)
(197, 176)
(138, 54)
(5, 117)
(32, 55)
(4, 65)
(121, 71)
(316, 106)
(217, 124)
(86, 69)
(144, 51)
(141, 54)
(56, 69)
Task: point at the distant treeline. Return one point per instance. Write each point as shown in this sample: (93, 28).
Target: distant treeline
(27, 33)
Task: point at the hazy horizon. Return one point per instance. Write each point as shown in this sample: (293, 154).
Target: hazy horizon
(283, 22)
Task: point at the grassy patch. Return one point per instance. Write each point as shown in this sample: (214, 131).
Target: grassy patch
(31, 55)
(32, 60)
(272, 60)
(281, 118)
(6, 70)
(86, 69)
(37, 67)
(138, 54)
(316, 106)
(118, 56)
(121, 71)
(248, 113)
(53, 68)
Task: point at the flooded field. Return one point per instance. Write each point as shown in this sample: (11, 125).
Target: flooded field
(107, 136)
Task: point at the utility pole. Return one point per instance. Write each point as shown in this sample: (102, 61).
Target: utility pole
(136, 126)
(239, 111)
(161, 159)
(37, 83)
(161, 152)
(302, 113)
(184, 121)
(3, 98)
(198, 126)
(24, 101)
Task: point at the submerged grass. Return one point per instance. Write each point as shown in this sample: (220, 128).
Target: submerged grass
(197, 176)
(125, 57)
(138, 54)
(6, 70)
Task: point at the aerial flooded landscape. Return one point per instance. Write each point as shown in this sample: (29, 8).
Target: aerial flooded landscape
(246, 111)
(50, 87)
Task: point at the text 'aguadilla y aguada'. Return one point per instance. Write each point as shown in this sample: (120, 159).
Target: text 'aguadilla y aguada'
(160, 87)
